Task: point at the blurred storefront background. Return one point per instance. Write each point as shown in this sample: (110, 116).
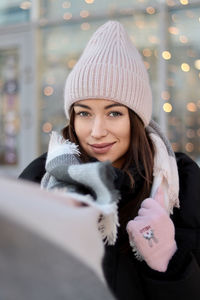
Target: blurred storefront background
(41, 40)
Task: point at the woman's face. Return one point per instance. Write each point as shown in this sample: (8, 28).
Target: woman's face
(103, 129)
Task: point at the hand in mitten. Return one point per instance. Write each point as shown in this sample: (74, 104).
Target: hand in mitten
(151, 233)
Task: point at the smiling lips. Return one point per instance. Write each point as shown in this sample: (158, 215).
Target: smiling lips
(101, 148)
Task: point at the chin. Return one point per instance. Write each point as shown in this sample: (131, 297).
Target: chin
(102, 159)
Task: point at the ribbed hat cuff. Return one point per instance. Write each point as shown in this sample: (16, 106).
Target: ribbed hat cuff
(102, 81)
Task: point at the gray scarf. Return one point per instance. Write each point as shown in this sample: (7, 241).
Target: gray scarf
(92, 183)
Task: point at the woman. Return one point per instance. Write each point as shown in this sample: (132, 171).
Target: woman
(156, 254)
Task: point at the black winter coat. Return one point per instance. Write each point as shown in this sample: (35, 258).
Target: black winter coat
(130, 279)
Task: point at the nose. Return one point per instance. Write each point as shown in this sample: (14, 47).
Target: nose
(99, 128)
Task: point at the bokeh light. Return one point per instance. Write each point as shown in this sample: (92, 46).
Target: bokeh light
(48, 91)
(25, 5)
(85, 26)
(191, 106)
(147, 52)
(47, 127)
(84, 13)
(185, 67)
(167, 107)
(173, 30)
(197, 64)
(184, 2)
(67, 16)
(189, 147)
(150, 10)
(166, 55)
(89, 1)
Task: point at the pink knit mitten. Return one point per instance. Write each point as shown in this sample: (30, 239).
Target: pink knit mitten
(151, 233)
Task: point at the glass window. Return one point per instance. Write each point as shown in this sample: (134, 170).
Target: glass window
(183, 80)
(14, 11)
(9, 106)
(67, 10)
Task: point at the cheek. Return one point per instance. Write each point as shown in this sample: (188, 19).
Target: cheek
(81, 130)
(125, 132)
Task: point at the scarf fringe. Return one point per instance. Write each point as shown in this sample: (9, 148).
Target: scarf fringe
(107, 225)
(165, 170)
(58, 146)
(108, 219)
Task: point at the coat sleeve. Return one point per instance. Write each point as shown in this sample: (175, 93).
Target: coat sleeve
(182, 278)
(35, 170)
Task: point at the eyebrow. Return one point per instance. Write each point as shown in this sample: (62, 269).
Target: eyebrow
(106, 107)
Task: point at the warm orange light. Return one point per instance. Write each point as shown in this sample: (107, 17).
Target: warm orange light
(84, 13)
(197, 64)
(191, 106)
(185, 67)
(67, 16)
(166, 55)
(189, 147)
(167, 107)
(184, 2)
(47, 127)
(150, 10)
(147, 52)
(25, 5)
(48, 91)
(89, 1)
(173, 30)
(170, 2)
(85, 26)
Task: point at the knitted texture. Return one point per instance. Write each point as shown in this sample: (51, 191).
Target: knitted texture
(165, 170)
(111, 68)
(88, 183)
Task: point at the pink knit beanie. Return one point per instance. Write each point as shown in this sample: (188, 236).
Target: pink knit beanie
(111, 68)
